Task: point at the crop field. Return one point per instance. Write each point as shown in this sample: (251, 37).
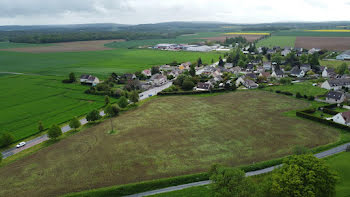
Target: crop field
(330, 30)
(249, 38)
(303, 33)
(100, 63)
(330, 43)
(28, 99)
(167, 137)
(304, 88)
(96, 45)
(282, 41)
(10, 45)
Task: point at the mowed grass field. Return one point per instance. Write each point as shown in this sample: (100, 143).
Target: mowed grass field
(167, 137)
(100, 63)
(28, 99)
(282, 41)
(304, 88)
(333, 63)
(339, 163)
(10, 45)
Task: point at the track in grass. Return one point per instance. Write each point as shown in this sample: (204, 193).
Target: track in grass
(169, 136)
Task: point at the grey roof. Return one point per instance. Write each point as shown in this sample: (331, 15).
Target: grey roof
(84, 76)
(205, 86)
(251, 75)
(339, 82)
(295, 70)
(334, 95)
(346, 52)
(250, 83)
(279, 72)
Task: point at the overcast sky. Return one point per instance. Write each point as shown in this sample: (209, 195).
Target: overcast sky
(34, 12)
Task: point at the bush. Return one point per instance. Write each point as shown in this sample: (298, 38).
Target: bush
(328, 111)
(311, 98)
(123, 102)
(134, 97)
(278, 91)
(300, 150)
(298, 95)
(93, 116)
(187, 84)
(107, 100)
(348, 148)
(6, 139)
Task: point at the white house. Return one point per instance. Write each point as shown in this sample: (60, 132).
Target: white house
(296, 72)
(342, 118)
(203, 87)
(344, 56)
(335, 97)
(239, 81)
(89, 79)
(313, 50)
(158, 79)
(328, 72)
(277, 74)
(267, 65)
(285, 52)
(336, 84)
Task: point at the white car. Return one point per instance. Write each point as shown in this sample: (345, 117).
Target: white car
(21, 144)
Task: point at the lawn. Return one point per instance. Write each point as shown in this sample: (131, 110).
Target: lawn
(282, 41)
(28, 99)
(165, 137)
(304, 88)
(333, 63)
(9, 45)
(100, 63)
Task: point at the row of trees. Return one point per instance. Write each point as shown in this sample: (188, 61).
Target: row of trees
(300, 176)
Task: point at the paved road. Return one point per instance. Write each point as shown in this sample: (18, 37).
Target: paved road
(83, 121)
(327, 153)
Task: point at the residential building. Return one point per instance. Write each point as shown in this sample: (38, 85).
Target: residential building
(305, 67)
(314, 50)
(285, 52)
(296, 72)
(251, 76)
(277, 73)
(265, 74)
(342, 118)
(236, 70)
(344, 56)
(203, 87)
(250, 84)
(328, 72)
(228, 65)
(147, 72)
(89, 79)
(158, 79)
(335, 97)
(336, 84)
(267, 65)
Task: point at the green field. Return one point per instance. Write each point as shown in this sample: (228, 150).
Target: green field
(304, 88)
(28, 99)
(100, 63)
(334, 63)
(9, 45)
(309, 33)
(167, 137)
(282, 41)
(339, 163)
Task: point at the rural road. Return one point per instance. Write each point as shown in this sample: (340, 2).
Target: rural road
(40, 139)
(324, 154)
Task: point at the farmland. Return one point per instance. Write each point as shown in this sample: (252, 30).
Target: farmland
(30, 99)
(330, 43)
(311, 33)
(283, 41)
(100, 63)
(154, 142)
(333, 63)
(10, 45)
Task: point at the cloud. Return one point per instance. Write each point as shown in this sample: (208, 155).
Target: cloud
(152, 11)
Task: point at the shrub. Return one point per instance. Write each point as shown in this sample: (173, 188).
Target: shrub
(123, 102)
(187, 84)
(278, 91)
(298, 95)
(311, 98)
(300, 150)
(305, 96)
(107, 100)
(328, 111)
(6, 139)
(348, 148)
(118, 93)
(54, 132)
(93, 116)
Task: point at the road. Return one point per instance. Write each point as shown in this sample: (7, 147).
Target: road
(324, 154)
(40, 139)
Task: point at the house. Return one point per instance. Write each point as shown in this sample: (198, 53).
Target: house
(335, 97)
(296, 72)
(250, 84)
(314, 50)
(89, 79)
(228, 65)
(240, 81)
(336, 84)
(250, 67)
(342, 118)
(305, 67)
(251, 76)
(328, 72)
(147, 72)
(166, 68)
(265, 74)
(158, 79)
(203, 87)
(277, 73)
(128, 76)
(285, 52)
(185, 66)
(260, 69)
(236, 70)
(267, 65)
(344, 56)
(174, 73)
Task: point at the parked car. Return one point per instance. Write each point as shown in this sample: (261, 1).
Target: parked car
(20, 145)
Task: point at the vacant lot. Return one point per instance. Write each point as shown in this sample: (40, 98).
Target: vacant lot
(96, 45)
(250, 38)
(165, 137)
(304, 88)
(282, 41)
(100, 63)
(330, 43)
(26, 100)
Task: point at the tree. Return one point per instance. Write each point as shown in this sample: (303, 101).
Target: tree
(303, 176)
(192, 71)
(74, 123)
(304, 58)
(134, 97)
(228, 182)
(93, 115)
(310, 73)
(241, 63)
(112, 110)
(123, 102)
(199, 62)
(41, 126)
(342, 69)
(107, 100)
(277, 58)
(154, 70)
(187, 84)
(298, 95)
(221, 62)
(72, 77)
(6, 139)
(348, 148)
(54, 132)
(313, 59)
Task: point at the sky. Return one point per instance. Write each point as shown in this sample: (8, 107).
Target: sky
(42, 12)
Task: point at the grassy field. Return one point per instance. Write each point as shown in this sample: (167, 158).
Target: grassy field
(304, 88)
(311, 33)
(339, 163)
(9, 45)
(28, 99)
(167, 137)
(334, 63)
(282, 41)
(100, 63)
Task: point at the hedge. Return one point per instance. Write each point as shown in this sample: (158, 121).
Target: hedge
(190, 92)
(329, 111)
(303, 114)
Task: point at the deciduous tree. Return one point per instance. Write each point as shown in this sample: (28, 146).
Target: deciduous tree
(93, 116)
(6, 139)
(112, 110)
(123, 102)
(74, 123)
(107, 100)
(134, 97)
(54, 132)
